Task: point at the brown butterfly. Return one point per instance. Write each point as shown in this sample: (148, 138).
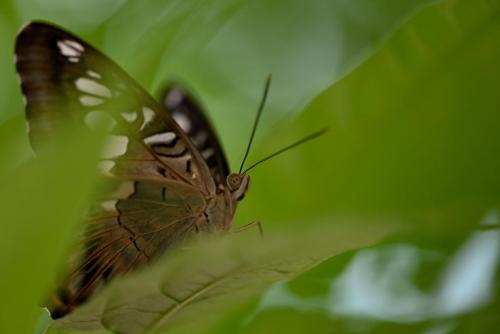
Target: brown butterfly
(169, 177)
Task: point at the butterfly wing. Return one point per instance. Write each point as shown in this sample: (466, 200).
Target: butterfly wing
(186, 111)
(65, 79)
(158, 179)
(123, 234)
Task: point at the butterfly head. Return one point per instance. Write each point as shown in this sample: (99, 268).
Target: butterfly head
(238, 184)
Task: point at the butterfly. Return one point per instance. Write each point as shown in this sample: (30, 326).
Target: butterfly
(168, 176)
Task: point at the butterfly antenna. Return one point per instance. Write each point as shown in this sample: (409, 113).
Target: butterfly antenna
(284, 149)
(256, 122)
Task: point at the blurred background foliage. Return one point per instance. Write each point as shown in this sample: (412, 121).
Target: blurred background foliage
(410, 92)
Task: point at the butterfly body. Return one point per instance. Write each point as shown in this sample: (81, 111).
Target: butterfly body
(166, 174)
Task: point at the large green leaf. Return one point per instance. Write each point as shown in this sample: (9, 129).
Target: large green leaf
(415, 131)
(209, 279)
(414, 128)
(414, 136)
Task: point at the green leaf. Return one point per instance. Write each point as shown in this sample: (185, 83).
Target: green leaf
(41, 200)
(225, 49)
(413, 129)
(213, 277)
(415, 132)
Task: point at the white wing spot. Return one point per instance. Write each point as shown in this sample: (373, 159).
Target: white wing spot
(90, 86)
(106, 166)
(130, 116)
(90, 101)
(160, 138)
(183, 121)
(94, 75)
(200, 138)
(19, 79)
(97, 119)
(109, 205)
(148, 116)
(67, 50)
(74, 45)
(70, 49)
(115, 146)
(124, 190)
(173, 98)
(207, 153)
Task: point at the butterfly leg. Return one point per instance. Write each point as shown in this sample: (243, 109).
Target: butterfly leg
(250, 225)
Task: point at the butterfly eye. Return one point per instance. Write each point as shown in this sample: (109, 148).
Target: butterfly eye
(233, 181)
(238, 185)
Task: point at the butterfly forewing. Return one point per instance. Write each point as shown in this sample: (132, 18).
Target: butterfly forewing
(65, 79)
(159, 188)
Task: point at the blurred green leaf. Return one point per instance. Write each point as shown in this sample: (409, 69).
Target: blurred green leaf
(224, 49)
(42, 200)
(414, 133)
(210, 279)
(414, 129)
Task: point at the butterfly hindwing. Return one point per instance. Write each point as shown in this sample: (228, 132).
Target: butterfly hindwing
(186, 111)
(125, 234)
